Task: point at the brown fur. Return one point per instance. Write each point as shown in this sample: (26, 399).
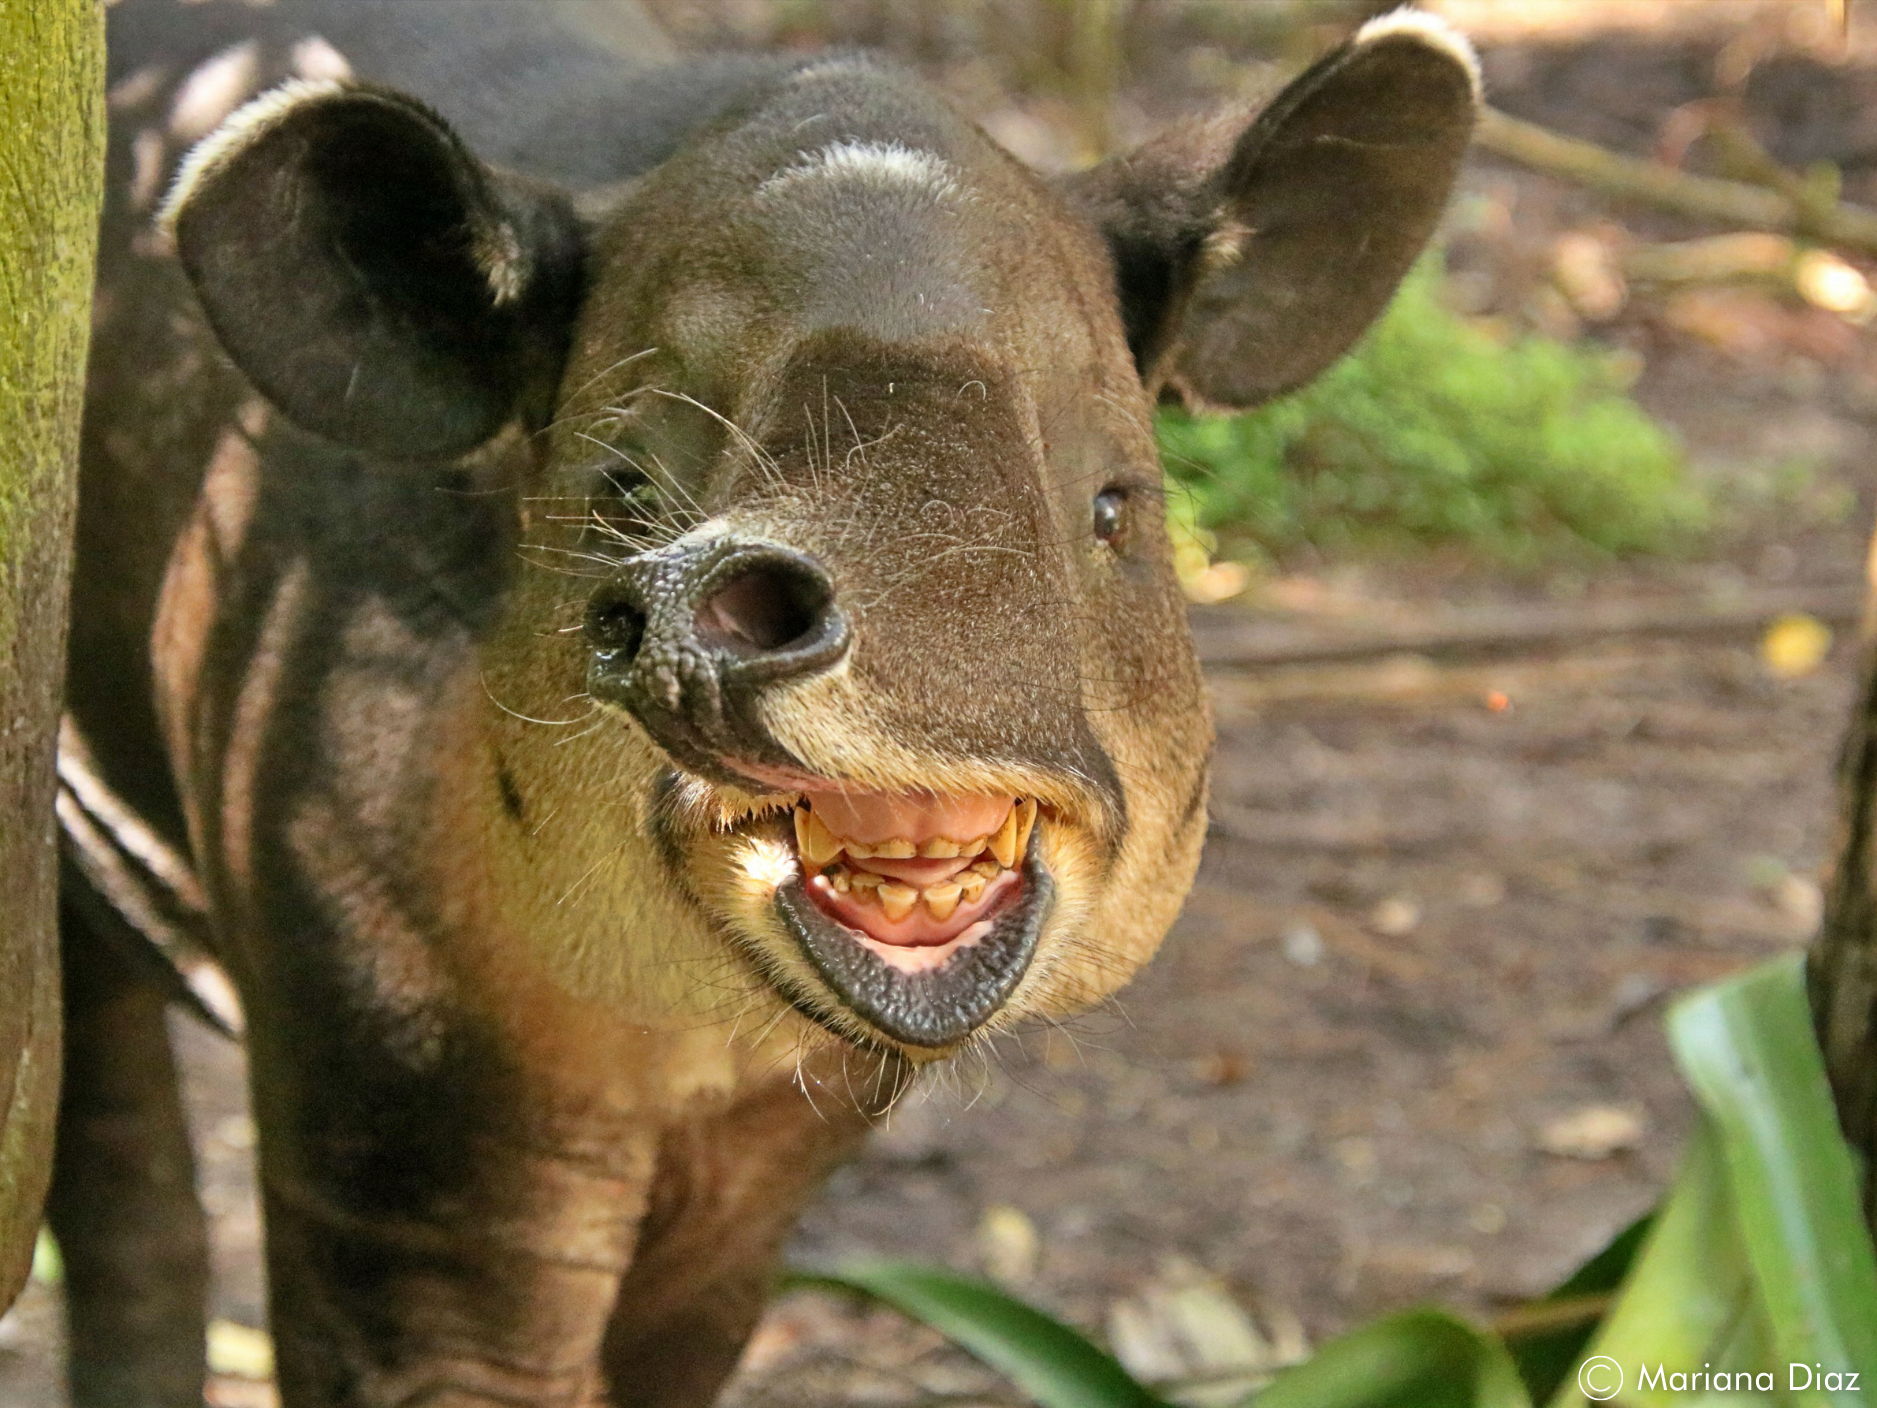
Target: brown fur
(541, 1075)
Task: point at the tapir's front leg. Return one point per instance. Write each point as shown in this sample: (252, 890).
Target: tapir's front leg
(728, 1189)
(439, 1236)
(123, 1201)
(468, 1235)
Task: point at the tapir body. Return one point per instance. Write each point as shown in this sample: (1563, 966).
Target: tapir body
(636, 587)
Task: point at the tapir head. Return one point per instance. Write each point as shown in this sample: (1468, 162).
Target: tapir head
(829, 445)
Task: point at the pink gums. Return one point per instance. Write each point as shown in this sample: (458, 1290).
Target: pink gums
(918, 930)
(872, 817)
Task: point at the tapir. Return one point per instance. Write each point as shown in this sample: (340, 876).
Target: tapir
(624, 600)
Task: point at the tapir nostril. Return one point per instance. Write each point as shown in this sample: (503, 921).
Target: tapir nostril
(771, 605)
(688, 637)
(615, 623)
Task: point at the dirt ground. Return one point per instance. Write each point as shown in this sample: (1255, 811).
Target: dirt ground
(1405, 1042)
(1426, 930)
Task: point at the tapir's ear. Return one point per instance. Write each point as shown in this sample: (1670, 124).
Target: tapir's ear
(1248, 258)
(369, 275)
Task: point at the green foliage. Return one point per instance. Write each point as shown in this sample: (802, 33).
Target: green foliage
(1045, 1358)
(1757, 1260)
(1546, 1354)
(1432, 432)
(1422, 1358)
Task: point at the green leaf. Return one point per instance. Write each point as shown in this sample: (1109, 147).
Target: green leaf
(1422, 1358)
(1050, 1362)
(1546, 1354)
(1748, 1049)
(1605, 1271)
(1687, 1294)
(1759, 1259)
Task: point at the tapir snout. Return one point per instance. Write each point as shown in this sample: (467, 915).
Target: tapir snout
(686, 638)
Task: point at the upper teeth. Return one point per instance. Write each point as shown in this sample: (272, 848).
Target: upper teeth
(820, 848)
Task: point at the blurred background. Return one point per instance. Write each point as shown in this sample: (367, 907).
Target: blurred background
(1531, 633)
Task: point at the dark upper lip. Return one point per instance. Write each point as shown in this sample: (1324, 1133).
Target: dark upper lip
(931, 1009)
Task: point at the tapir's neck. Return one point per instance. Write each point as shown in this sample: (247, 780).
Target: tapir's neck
(372, 803)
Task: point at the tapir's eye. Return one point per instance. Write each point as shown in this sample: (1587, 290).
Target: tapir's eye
(1111, 516)
(622, 505)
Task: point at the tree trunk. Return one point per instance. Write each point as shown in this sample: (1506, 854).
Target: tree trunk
(51, 181)
(1842, 967)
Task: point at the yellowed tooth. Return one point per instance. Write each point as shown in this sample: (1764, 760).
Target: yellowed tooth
(942, 898)
(972, 885)
(865, 880)
(897, 849)
(897, 899)
(939, 848)
(814, 840)
(1004, 843)
(858, 850)
(842, 881)
(988, 869)
(1026, 821)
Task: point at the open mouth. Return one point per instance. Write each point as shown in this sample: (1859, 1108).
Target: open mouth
(920, 911)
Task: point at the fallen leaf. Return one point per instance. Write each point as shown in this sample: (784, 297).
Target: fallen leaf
(1795, 645)
(1586, 272)
(1396, 916)
(1216, 582)
(1007, 1244)
(1826, 281)
(1303, 945)
(240, 1351)
(1593, 1132)
(1185, 1323)
(1224, 1066)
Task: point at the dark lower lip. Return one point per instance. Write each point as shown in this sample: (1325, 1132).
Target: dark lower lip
(931, 1009)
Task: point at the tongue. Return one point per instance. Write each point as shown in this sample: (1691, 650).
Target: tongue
(872, 817)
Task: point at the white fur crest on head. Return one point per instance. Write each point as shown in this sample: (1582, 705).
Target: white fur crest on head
(240, 129)
(1430, 30)
(870, 163)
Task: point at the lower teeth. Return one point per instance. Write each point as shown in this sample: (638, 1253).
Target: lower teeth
(898, 899)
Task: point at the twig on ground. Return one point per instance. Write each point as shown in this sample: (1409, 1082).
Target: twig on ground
(1235, 641)
(1787, 211)
(1547, 1316)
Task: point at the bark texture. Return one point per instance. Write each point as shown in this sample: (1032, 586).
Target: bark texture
(51, 175)
(1842, 966)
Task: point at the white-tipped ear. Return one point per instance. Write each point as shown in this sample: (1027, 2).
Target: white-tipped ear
(1430, 30)
(370, 276)
(1242, 272)
(242, 128)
